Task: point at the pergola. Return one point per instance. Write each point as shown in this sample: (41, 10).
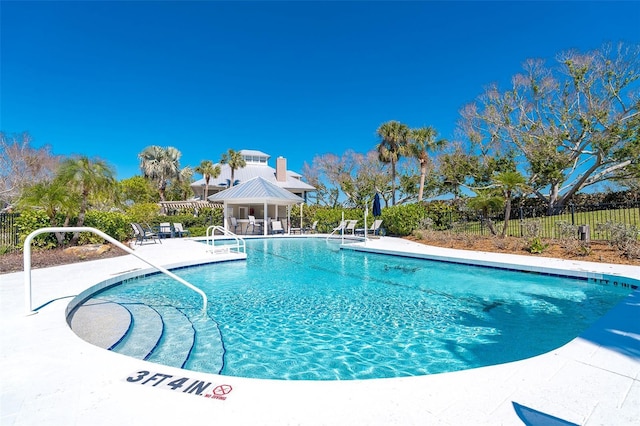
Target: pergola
(256, 191)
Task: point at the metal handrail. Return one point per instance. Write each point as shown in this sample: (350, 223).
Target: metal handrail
(241, 245)
(27, 261)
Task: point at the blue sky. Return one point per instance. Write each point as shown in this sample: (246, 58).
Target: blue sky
(292, 79)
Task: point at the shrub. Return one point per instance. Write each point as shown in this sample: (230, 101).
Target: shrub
(531, 228)
(143, 212)
(114, 224)
(403, 219)
(536, 245)
(31, 220)
(623, 237)
(567, 234)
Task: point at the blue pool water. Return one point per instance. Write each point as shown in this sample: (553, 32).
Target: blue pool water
(304, 309)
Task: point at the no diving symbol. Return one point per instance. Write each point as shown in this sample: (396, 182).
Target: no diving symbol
(222, 390)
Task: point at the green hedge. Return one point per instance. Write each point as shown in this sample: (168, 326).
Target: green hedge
(31, 220)
(114, 224)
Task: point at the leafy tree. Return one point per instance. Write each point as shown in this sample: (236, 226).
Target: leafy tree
(22, 166)
(454, 168)
(235, 161)
(137, 189)
(422, 141)
(160, 165)
(570, 127)
(394, 137)
(86, 176)
(208, 170)
(350, 180)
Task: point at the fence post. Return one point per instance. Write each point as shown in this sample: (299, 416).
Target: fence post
(521, 221)
(573, 219)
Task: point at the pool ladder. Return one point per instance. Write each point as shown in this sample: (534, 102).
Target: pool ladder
(239, 246)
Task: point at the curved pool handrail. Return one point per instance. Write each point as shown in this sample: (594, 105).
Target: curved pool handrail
(241, 245)
(27, 261)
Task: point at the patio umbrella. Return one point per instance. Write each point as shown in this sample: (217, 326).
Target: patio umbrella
(376, 206)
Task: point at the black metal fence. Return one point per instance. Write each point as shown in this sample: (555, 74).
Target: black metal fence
(9, 240)
(524, 222)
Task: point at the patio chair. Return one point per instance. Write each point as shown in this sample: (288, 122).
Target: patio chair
(233, 223)
(141, 234)
(164, 230)
(253, 225)
(276, 227)
(179, 230)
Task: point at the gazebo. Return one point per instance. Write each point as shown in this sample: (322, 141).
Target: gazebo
(256, 197)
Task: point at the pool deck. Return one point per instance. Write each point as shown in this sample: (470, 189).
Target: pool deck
(50, 376)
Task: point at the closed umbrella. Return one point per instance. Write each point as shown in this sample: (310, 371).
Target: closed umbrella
(376, 205)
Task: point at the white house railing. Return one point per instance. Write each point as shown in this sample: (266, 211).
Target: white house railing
(27, 261)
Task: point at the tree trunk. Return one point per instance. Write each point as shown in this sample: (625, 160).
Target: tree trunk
(81, 216)
(487, 220)
(507, 216)
(393, 183)
(553, 200)
(423, 173)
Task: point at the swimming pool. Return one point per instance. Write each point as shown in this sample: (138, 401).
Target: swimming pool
(303, 309)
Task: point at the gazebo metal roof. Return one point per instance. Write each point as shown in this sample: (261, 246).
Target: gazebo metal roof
(255, 190)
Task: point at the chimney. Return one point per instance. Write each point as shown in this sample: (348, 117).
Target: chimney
(281, 169)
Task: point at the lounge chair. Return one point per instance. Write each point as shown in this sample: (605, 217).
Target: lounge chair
(374, 230)
(351, 226)
(313, 228)
(339, 228)
(141, 234)
(179, 230)
(276, 227)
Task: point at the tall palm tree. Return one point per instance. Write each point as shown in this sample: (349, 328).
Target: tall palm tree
(394, 138)
(87, 177)
(423, 140)
(160, 165)
(208, 170)
(235, 160)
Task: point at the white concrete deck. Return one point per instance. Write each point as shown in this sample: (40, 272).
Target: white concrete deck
(50, 376)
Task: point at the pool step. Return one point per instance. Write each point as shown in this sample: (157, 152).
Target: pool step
(160, 333)
(210, 360)
(101, 322)
(144, 334)
(176, 343)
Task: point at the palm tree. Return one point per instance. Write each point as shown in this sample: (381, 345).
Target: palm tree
(54, 198)
(394, 138)
(235, 160)
(160, 165)
(423, 140)
(486, 201)
(509, 183)
(208, 170)
(86, 177)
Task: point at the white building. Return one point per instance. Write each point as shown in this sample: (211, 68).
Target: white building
(257, 165)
